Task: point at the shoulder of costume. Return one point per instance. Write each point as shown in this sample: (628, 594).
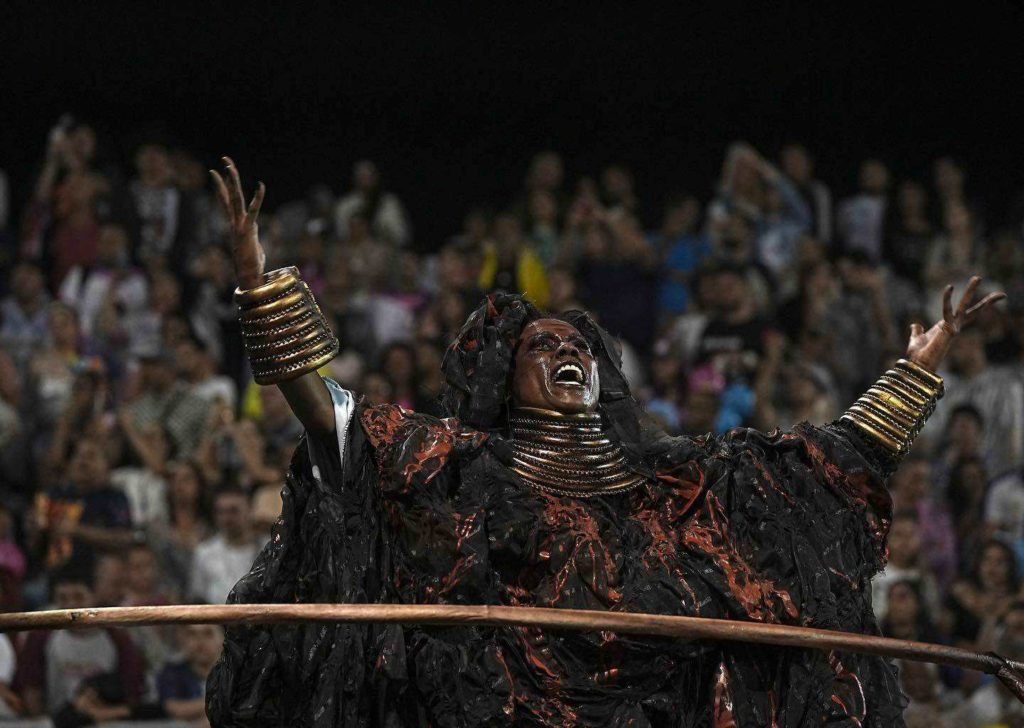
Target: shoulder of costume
(389, 424)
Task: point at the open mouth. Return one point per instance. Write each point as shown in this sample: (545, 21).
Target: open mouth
(569, 374)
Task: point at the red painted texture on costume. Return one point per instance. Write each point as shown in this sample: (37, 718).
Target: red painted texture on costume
(576, 546)
(410, 446)
(760, 598)
(865, 490)
(683, 485)
(663, 550)
(509, 707)
(721, 711)
(847, 691)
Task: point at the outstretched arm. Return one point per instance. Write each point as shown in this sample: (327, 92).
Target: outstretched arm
(306, 393)
(893, 411)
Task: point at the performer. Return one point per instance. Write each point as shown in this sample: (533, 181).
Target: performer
(548, 487)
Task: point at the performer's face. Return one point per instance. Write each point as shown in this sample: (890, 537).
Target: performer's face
(554, 369)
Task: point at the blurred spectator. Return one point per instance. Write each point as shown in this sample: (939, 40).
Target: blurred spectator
(860, 324)
(564, 296)
(798, 165)
(735, 339)
(907, 567)
(142, 582)
(12, 563)
(10, 702)
(907, 614)
(53, 666)
(912, 489)
(510, 263)
(617, 270)
(617, 191)
(909, 232)
(1004, 509)
(966, 496)
(995, 392)
(84, 514)
(860, 221)
(158, 208)
(266, 509)
(680, 249)
(54, 365)
(197, 368)
(543, 224)
(165, 400)
(110, 282)
(963, 440)
(993, 704)
(369, 258)
(222, 560)
(985, 595)
(181, 684)
(920, 683)
(110, 579)
(756, 195)
(954, 256)
(140, 476)
(398, 362)
(24, 321)
(382, 210)
(546, 174)
(187, 525)
(949, 180)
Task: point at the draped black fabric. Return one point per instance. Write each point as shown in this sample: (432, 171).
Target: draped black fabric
(780, 528)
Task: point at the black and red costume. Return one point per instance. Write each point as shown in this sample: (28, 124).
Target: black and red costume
(404, 508)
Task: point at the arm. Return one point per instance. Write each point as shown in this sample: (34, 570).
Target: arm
(888, 417)
(186, 709)
(104, 539)
(152, 459)
(305, 391)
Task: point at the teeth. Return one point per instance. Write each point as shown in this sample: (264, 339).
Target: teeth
(575, 369)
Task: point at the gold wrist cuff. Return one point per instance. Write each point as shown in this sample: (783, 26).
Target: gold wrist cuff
(276, 283)
(893, 411)
(285, 333)
(274, 306)
(930, 377)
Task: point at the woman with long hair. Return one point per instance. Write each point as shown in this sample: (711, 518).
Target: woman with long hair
(985, 594)
(188, 522)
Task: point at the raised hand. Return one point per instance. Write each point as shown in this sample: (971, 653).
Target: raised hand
(248, 254)
(929, 348)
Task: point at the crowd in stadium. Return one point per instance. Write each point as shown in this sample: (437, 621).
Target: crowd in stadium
(140, 465)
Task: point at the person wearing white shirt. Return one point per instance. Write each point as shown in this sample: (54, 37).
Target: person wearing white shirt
(222, 560)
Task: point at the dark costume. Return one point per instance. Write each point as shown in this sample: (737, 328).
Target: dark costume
(781, 528)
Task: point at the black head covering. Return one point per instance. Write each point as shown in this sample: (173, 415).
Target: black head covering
(478, 367)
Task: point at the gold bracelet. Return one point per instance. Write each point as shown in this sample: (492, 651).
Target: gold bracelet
(276, 283)
(285, 333)
(274, 306)
(893, 410)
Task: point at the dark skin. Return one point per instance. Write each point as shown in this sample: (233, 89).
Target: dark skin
(307, 395)
(532, 386)
(554, 369)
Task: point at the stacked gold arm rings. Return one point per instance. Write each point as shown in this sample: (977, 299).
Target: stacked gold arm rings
(285, 333)
(893, 411)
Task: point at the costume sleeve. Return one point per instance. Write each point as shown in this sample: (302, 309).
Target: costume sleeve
(797, 522)
(810, 495)
(325, 547)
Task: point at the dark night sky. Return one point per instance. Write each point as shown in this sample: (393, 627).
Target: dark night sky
(452, 103)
